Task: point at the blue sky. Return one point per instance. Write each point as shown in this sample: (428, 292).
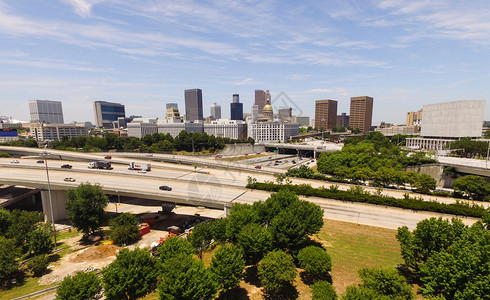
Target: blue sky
(144, 53)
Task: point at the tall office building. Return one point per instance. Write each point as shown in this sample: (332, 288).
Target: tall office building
(170, 105)
(285, 114)
(255, 113)
(46, 111)
(193, 105)
(361, 113)
(343, 120)
(325, 114)
(236, 108)
(260, 100)
(107, 112)
(216, 111)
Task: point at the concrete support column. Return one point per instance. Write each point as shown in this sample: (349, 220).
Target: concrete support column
(59, 205)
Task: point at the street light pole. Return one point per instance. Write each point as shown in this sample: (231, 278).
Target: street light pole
(45, 155)
(488, 152)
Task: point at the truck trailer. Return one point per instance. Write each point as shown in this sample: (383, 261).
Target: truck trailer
(100, 165)
(139, 166)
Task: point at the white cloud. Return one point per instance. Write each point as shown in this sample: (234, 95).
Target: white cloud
(82, 7)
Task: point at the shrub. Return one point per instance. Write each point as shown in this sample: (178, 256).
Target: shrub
(8, 253)
(81, 286)
(228, 265)
(314, 260)
(124, 229)
(38, 265)
(322, 290)
(276, 270)
(173, 247)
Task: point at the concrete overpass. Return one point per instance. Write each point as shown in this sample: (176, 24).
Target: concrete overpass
(303, 149)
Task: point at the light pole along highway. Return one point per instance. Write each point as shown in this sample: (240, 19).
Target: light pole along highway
(45, 156)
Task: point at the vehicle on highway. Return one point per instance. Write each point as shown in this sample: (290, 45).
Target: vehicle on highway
(139, 166)
(107, 157)
(258, 167)
(14, 161)
(66, 166)
(100, 165)
(142, 172)
(40, 161)
(165, 188)
(69, 179)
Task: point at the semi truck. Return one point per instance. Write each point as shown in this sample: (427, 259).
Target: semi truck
(100, 165)
(139, 166)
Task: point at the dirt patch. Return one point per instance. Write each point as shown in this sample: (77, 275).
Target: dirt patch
(94, 253)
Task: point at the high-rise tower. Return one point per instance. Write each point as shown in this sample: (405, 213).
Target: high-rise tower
(236, 108)
(325, 114)
(193, 105)
(361, 113)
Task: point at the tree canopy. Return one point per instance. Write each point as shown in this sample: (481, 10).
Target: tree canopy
(228, 265)
(276, 270)
(81, 286)
(124, 229)
(85, 207)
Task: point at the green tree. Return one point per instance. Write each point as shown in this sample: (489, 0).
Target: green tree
(185, 278)
(228, 265)
(8, 253)
(362, 293)
(124, 229)
(21, 223)
(276, 270)
(425, 183)
(291, 227)
(38, 265)
(219, 229)
(5, 221)
(323, 290)
(430, 236)
(40, 240)
(256, 241)
(81, 286)
(85, 207)
(175, 246)
(315, 261)
(473, 185)
(202, 237)
(277, 202)
(132, 275)
(240, 215)
(386, 282)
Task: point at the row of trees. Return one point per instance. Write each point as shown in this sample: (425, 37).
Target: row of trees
(448, 259)
(466, 147)
(375, 158)
(23, 235)
(157, 142)
(472, 186)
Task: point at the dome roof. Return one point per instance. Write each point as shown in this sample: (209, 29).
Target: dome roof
(267, 107)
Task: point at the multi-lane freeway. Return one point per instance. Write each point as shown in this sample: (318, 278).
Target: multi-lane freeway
(198, 186)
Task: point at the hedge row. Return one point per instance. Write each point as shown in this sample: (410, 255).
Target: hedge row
(358, 195)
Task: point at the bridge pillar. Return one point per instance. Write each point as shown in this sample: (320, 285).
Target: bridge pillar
(59, 205)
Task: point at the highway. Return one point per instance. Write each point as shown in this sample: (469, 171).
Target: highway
(196, 187)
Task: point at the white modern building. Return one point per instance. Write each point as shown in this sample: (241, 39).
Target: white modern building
(46, 111)
(272, 131)
(233, 129)
(216, 111)
(443, 123)
(394, 130)
(42, 132)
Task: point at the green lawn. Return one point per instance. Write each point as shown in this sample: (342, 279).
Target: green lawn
(353, 247)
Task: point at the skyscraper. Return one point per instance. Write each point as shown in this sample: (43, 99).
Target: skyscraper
(216, 111)
(236, 108)
(325, 114)
(107, 112)
(193, 105)
(343, 120)
(260, 100)
(361, 113)
(46, 111)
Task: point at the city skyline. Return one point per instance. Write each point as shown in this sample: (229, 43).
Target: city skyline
(143, 54)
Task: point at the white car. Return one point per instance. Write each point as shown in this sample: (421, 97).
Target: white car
(14, 161)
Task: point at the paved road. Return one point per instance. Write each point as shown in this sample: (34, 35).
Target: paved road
(220, 187)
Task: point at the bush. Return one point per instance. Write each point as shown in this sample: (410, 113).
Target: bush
(8, 253)
(40, 240)
(256, 241)
(173, 247)
(228, 265)
(386, 282)
(322, 290)
(38, 265)
(185, 278)
(314, 260)
(276, 270)
(133, 274)
(81, 286)
(124, 229)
